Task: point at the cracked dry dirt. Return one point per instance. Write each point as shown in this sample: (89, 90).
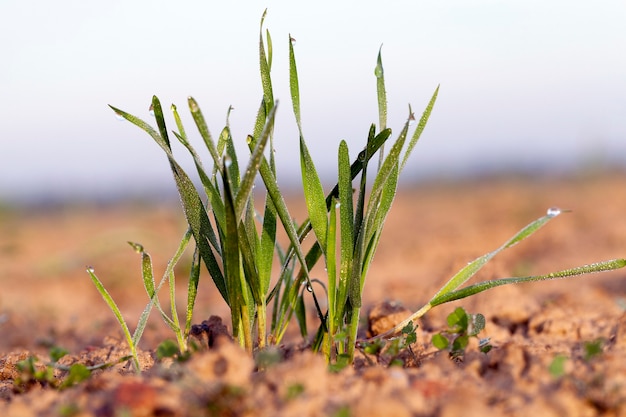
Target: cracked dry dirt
(46, 298)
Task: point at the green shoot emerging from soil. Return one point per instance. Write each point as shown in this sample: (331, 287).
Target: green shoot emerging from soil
(238, 243)
(461, 327)
(53, 373)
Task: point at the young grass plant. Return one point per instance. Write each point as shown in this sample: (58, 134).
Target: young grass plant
(238, 245)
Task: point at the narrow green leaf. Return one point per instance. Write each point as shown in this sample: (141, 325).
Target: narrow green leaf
(233, 165)
(265, 65)
(473, 267)
(420, 128)
(160, 119)
(256, 159)
(215, 203)
(381, 93)
(192, 205)
(145, 127)
(118, 315)
(346, 220)
(283, 214)
(331, 263)
(268, 243)
(192, 291)
(313, 195)
(232, 269)
(300, 312)
(483, 286)
(198, 118)
(293, 85)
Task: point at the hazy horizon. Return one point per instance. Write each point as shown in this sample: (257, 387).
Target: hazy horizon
(524, 85)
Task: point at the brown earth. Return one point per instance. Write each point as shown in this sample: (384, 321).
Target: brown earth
(46, 298)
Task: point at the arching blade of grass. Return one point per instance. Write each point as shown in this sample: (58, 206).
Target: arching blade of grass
(198, 118)
(168, 276)
(311, 184)
(473, 267)
(486, 285)
(265, 62)
(256, 159)
(449, 291)
(215, 203)
(118, 315)
(420, 127)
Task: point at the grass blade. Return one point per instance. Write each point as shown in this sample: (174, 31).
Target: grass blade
(294, 87)
(265, 65)
(473, 267)
(232, 267)
(381, 94)
(198, 118)
(313, 195)
(256, 159)
(420, 127)
(192, 290)
(346, 225)
(118, 315)
(486, 285)
(312, 186)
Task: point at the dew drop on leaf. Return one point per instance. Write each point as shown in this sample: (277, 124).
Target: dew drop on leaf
(193, 106)
(309, 288)
(553, 211)
(378, 71)
(151, 110)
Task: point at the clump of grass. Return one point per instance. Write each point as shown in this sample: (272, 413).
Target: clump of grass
(238, 245)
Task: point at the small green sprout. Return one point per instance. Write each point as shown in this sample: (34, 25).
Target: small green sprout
(557, 366)
(461, 327)
(592, 349)
(389, 350)
(32, 371)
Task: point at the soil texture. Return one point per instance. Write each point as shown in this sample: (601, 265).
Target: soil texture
(559, 347)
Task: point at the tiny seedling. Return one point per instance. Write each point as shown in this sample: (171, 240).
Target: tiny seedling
(461, 327)
(389, 350)
(591, 350)
(32, 371)
(238, 245)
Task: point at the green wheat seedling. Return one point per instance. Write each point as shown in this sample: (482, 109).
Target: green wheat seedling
(239, 245)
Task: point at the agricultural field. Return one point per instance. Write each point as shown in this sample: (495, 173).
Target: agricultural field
(557, 347)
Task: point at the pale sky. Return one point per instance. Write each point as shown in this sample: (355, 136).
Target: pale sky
(523, 84)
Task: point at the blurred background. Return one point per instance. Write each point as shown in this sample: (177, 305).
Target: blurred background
(526, 86)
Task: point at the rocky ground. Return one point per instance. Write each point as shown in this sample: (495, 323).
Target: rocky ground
(559, 348)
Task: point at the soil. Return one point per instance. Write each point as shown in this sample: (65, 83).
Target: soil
(46, 299)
